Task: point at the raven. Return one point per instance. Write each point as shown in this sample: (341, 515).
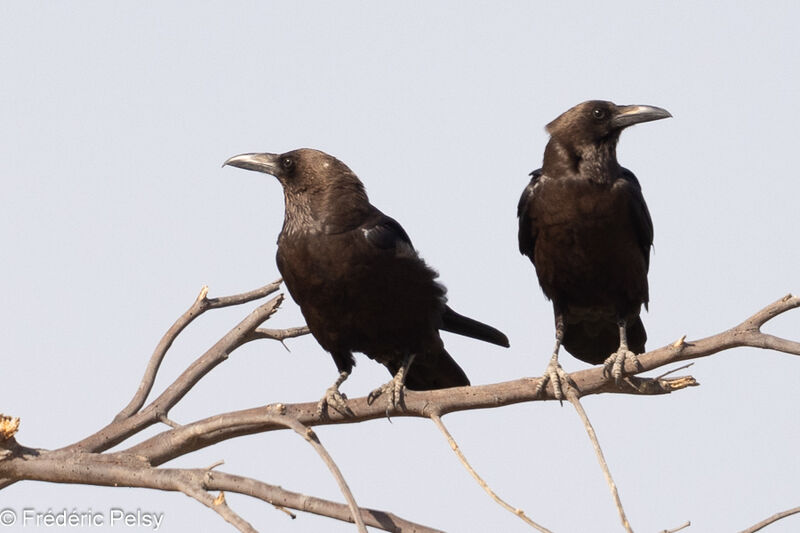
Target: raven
(584, 224)
(358, 280)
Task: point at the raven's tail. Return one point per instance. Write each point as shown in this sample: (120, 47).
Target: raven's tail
(434, 370)
(455, 323)
(593, 342)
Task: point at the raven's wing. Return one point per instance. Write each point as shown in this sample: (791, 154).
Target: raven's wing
(640, 215)
(527, 231)
(385, 233)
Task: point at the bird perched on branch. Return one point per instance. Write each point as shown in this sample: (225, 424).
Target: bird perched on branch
(359, 282)
(584, 224)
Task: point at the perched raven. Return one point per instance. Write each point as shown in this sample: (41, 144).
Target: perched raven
(358, 280)
(585, 226)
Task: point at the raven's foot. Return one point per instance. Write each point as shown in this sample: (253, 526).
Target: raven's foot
(334, 398)
(554, 374)
(394, 388)
(614, 365)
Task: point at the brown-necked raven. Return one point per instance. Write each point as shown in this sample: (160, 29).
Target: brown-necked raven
(584, 224)
(359, 282)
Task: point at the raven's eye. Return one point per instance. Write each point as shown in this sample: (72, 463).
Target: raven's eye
(287, 163)
(599, 113)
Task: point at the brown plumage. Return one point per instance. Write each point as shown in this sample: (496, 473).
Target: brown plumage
(585, 226)
(359, 282)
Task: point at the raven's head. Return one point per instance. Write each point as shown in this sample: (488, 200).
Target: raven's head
(598, 121)
(300, 170)
(584, 138)
(320, 192)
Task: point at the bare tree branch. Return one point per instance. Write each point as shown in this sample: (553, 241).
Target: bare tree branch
(244, 297)
(171, 444)
(126, 470)
(485, 486)
(576, 403)
(107, 470)
(283, 498)
(137, 466)
(680, 527)
(200, 306)
(278, 334)
(119, 430)
(121, 469)
(311, 437)
(772, 519)
(219, 506)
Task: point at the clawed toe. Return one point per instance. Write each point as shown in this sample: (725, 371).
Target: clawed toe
(335, 399)
(394, 388)
(394, 391)
(614, 365)
(554, 374)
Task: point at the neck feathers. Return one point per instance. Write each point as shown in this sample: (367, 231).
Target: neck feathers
(596, 162)
(327, 207)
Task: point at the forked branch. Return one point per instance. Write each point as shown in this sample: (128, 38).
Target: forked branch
(201, 304)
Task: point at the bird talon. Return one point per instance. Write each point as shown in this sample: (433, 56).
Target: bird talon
(337, 400)
(372, 396)
(394, 389)
(614, 365)
(554, 374)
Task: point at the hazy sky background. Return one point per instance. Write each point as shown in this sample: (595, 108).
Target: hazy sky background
(116, 118)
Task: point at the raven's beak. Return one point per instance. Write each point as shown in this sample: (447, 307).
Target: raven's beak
(266, 163)
(634, 114)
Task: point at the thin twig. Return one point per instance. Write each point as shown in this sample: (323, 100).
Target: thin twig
(119, 430)
(572, 396)
(244, 297)
(200, 305)
(774, 518)
(667, 373)
(279, 334)
(215, 465)
(285, 510)
(682, 526)
(485, 486)
(219, 506)
(308, 434)
(166, 420)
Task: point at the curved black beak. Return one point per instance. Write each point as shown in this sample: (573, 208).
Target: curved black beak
(629, 115)
(266, 163)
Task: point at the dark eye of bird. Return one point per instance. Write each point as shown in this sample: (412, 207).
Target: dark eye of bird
(599, 113)
(287, 163)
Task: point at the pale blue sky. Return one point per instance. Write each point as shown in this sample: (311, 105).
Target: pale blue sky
(115, 211)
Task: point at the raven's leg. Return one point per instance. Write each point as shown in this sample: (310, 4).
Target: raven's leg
(344, 364)
(554, 373)
(615, 364)
(394, 387)
(334, 398)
